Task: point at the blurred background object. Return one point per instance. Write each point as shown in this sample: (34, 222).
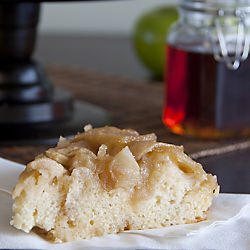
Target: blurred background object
(149, 38)
(32, 109)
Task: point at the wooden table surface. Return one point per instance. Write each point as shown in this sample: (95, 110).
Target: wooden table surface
(114, 56)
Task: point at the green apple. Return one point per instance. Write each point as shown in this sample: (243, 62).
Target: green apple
(149, 38)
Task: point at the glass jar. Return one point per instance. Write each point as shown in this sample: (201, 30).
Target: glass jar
(208, 70)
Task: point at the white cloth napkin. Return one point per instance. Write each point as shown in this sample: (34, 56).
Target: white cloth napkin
(227, 227)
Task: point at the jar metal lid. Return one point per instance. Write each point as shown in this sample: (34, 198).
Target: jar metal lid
(225, 16)
(216, 7)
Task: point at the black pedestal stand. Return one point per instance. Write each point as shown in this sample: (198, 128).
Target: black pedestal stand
(31, 109)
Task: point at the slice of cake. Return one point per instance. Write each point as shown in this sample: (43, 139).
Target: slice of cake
(107, 180)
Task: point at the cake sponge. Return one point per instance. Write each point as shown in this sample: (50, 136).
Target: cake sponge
(107, 180)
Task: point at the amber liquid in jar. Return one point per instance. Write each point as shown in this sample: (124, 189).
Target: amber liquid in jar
(204, 98)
